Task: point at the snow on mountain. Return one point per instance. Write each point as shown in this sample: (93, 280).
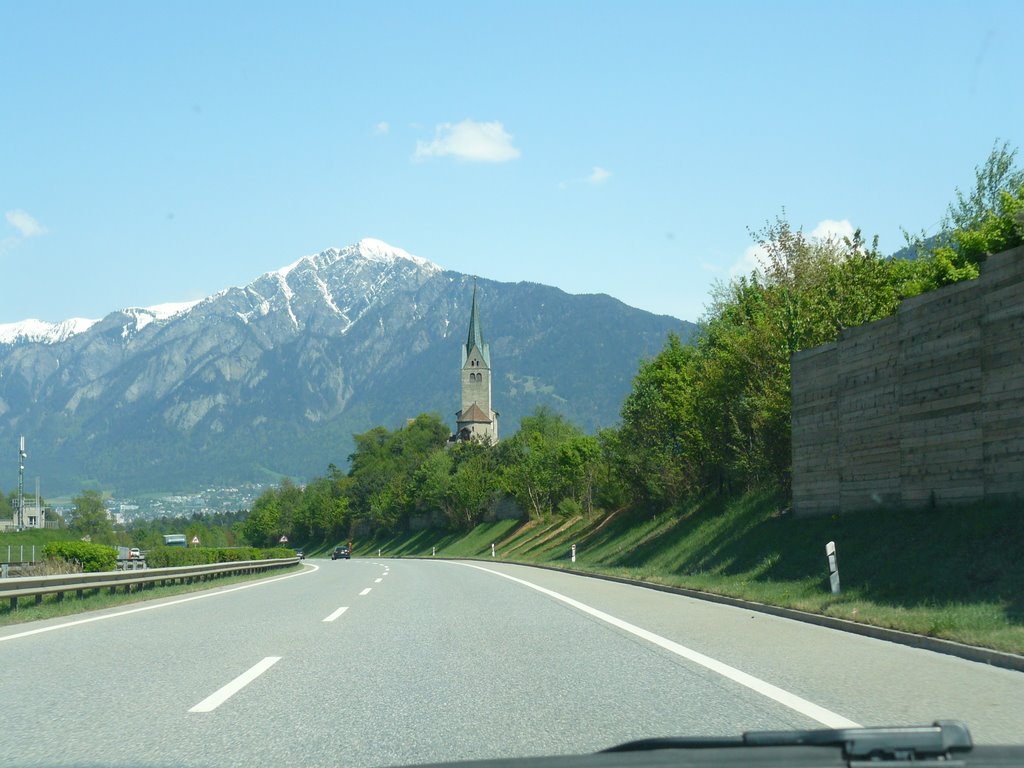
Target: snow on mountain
(378, 250)
(42, 332)
(145, 315)
(368, 249)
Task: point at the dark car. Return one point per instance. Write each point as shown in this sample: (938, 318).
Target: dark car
(341, 553)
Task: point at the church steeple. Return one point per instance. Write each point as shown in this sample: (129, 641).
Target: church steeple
(476, 335)
(476, 420)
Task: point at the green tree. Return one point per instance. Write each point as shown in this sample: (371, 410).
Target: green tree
(91, 518)
(529, 461)
(996, 177)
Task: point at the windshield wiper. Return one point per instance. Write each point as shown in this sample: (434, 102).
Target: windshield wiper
(930, 742)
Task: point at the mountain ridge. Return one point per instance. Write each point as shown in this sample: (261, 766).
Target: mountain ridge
(273, 378)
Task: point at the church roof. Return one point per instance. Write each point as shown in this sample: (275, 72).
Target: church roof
(474, 415)
(476, 335)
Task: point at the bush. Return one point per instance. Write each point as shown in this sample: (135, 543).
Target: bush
(167, 557)
(93, 557)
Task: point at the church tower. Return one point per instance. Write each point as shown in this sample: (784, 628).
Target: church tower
(476, 420)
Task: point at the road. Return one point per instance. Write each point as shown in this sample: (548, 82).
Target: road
(438, 660)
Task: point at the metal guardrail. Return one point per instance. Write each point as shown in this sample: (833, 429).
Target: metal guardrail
(79, 583)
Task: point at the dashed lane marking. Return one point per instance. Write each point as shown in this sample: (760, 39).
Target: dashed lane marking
(221, 695)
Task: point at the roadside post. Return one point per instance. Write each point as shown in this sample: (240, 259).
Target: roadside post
(833, 566)
(574, 553)
(492, 550)
(433, 551)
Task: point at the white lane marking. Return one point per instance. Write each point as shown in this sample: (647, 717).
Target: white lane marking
(218, 697)
(365, 591)
(336, 614)
(377, 581)
(153, 607)
(791, 700)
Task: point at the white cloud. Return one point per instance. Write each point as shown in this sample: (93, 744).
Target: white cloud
(599, 175)
(753, 259)
(24, 223)
(469, 140)
(829, 229)
(381, 128)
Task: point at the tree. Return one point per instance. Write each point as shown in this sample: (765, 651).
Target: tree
(997, 177)
(986, 220)
(91, 517)
(529, 461)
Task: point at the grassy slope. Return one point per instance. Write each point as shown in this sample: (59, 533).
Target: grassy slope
(21, 542)
(952, 573)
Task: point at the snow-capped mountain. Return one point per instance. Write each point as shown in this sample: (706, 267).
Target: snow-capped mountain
(274, 377)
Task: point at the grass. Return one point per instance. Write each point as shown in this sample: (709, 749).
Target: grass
(52, 608)
(952, 573)
(28, 545)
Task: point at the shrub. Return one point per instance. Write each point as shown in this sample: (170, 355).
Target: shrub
(92, 557)
(166, 557)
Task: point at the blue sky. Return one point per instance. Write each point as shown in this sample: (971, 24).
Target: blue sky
(160, 152)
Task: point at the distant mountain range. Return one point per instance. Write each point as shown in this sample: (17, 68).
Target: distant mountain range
(273, 378)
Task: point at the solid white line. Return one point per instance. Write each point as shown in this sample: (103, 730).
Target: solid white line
(336, 614)
(154, 606)
(365, 591)
(217, 698)
(791, 700)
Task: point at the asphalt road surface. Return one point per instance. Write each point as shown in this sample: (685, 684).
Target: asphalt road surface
(381, 662)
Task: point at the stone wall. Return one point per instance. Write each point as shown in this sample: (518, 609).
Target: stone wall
(922, 408)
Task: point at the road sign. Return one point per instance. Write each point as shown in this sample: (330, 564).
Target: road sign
(195, 540)
(283, 540)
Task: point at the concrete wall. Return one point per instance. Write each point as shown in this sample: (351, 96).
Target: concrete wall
(925, 407)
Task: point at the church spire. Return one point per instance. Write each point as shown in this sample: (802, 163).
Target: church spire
(476, 334)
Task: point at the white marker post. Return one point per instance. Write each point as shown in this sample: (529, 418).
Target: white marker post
(833, 566)
(574, 553)
(492, 550)
(433, 551)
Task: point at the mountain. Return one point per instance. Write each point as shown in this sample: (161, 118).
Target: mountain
(273, 378)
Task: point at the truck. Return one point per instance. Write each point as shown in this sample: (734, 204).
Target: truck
(130, 558)
(175, 540)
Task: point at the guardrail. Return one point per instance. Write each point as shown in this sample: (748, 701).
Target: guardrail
(37, 586)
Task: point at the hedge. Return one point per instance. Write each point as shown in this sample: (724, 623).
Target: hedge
(164, 557)
(93, 557)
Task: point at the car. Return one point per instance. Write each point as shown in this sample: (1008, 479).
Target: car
(340, 553)
(300, 554)
(134, 553)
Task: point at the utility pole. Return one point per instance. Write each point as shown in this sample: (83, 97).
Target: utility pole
(21, 484)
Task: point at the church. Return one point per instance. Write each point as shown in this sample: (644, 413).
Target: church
(476, 421)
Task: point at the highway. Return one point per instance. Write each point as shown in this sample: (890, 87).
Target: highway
(391, 662)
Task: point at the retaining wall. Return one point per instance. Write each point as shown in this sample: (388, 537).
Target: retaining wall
(922, 408)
